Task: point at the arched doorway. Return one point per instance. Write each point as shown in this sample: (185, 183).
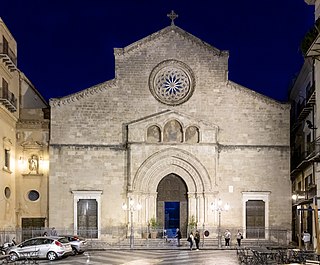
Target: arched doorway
(172, 204)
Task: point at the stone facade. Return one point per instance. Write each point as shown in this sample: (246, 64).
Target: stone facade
(170, 110)
(24, 138)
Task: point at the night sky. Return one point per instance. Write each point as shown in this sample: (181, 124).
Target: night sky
(65, 46)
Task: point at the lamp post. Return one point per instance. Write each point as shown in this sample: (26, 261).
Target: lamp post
(131, 207)
(219, 208)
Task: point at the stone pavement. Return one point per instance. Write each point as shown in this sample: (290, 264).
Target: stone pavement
(151, 257)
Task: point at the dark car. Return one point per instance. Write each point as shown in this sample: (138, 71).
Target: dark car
(78, 244)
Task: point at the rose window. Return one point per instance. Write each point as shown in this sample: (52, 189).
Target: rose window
(171, 84)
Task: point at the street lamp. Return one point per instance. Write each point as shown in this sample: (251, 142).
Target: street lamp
(219, 208)
(131, 207)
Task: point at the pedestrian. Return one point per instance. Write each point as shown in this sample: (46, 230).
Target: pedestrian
(178, 236)
(306, 239)
(191, 240)
(239, 237)
(197, 239)
(227, 236)
(53, 232)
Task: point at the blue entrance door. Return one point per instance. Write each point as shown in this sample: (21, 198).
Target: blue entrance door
(172, 217)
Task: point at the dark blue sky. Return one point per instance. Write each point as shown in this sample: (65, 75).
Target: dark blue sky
(65, 46)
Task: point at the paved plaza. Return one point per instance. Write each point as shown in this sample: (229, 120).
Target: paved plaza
(148, 257)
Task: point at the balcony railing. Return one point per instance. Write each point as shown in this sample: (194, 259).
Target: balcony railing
(8, 57)
(301, 196)
(305, 107)
(8, 99)
(309, 44)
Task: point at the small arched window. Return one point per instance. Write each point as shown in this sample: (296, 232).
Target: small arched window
(154, 134)
(172, 132)
(192, 134)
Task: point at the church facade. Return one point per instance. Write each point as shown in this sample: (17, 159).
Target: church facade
(173, 134)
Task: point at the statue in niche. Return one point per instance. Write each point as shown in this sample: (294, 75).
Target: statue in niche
(192, 134)
(172, 132)
(153, 134)
(33, 164)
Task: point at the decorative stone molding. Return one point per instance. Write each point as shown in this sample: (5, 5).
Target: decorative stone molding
(172, 160)
(33, 145)
(170, 30)
(31, 124)
(82, 94)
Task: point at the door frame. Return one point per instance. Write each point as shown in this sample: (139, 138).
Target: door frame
(256, 195)
(86, 195)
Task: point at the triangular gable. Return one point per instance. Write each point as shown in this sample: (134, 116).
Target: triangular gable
(144, 42)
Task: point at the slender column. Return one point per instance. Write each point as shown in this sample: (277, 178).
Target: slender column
(131, 233)
(201, 209)
(219, 230)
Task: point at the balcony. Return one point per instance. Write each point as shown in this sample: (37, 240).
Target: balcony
(300, 197)
(8, 57)
(8, 99)
(310, 45)
(306, 106)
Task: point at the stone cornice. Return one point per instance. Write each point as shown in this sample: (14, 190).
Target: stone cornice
(27, 124)
(258, 147)
(117, 147)
(56, 102)
(170, 29)
(124, 147)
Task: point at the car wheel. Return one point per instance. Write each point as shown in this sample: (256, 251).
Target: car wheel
(51, 255)
(80, 252)
(13, 256)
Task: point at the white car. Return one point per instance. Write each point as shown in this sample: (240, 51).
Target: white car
(79, 244)
(48, 247)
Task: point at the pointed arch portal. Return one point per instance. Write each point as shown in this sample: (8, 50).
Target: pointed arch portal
(172, 204)
(173, 181)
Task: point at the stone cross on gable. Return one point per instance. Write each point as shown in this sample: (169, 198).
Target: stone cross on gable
(172, 16)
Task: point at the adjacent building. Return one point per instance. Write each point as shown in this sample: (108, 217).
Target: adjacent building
(24, 139)
(305, 137)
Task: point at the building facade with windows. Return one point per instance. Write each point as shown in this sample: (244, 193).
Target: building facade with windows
(305, 138)
(303, 163)
(172, 133)
(24, 138)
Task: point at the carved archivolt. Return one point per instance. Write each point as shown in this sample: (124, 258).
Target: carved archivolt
(176, 161)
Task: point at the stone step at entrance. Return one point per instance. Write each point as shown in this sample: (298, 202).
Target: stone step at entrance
(171, 243)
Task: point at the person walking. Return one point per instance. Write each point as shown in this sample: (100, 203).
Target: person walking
(178, 236)
(191, 240)
(239, 237)
(227, 236)
(197, 239)
(306, 239)
(53, 232)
